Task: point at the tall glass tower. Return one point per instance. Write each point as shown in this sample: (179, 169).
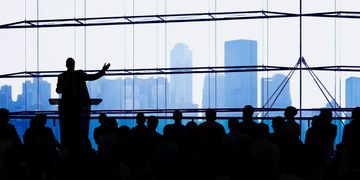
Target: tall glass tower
(180, 84)
(240, 88)
(352, 95)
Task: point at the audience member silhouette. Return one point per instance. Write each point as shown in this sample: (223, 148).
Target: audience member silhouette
(293, 129)
(192, 129)
(266, 155)
(109, 146)
(41, 145)
(284, 142)
(319, 142)
(349, 148)
(313, 139)
(125, 143)
(155, 138)
(191, 152)
(74, 106)
(7, 130)
(211, 135)
(279, 135)
(140, 147)
(9, 140)
(329, 131)
(351, 133)
(168, 161)
(140, 131)
(248, 126)
(179, 128)
(231, 140)
(108, 127)
(211, 131)
(102, 128)
(108, 138)
(237, 147)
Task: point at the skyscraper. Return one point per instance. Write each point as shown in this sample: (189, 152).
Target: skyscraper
(268, 87)
(240, 88)
(352, 89)
(5, 97)
(213, 91)
(180, 84)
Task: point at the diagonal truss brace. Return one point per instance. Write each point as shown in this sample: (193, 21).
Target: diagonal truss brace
(317, 80)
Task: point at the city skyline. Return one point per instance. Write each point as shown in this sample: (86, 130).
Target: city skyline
(149, 93)
(181, 56)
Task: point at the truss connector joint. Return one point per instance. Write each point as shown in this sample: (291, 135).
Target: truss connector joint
(211, 15)
(128, 20)
(264, 13)
(29, 22)
(79, 21)
(160, 18)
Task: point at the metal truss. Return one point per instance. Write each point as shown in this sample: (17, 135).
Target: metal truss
(170, 18)
(184, 70)
(335, 14)
(147, 19)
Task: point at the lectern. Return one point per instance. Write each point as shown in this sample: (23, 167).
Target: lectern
(56, 101)
(84, 122)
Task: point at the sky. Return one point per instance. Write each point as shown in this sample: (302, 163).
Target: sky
(326, 41)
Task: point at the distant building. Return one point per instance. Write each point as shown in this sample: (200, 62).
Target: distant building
(241, 87)
(268, 87)
(352, 89)
(213, 91)
(5, 97)
(180, 88)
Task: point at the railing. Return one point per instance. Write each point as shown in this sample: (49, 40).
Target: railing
(167, 113)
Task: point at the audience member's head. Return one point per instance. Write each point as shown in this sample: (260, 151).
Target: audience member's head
(169, 132)
(102, 118)
(4, 115)
(140, 118)
(177, 115)
(233, 124)
(278, 124)
(112, 122)
(326, 115)
(152, 122)
(38, 121)
(124, 131)
(290, 112)
(210, 114)
(248, 112)
(191, 128)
